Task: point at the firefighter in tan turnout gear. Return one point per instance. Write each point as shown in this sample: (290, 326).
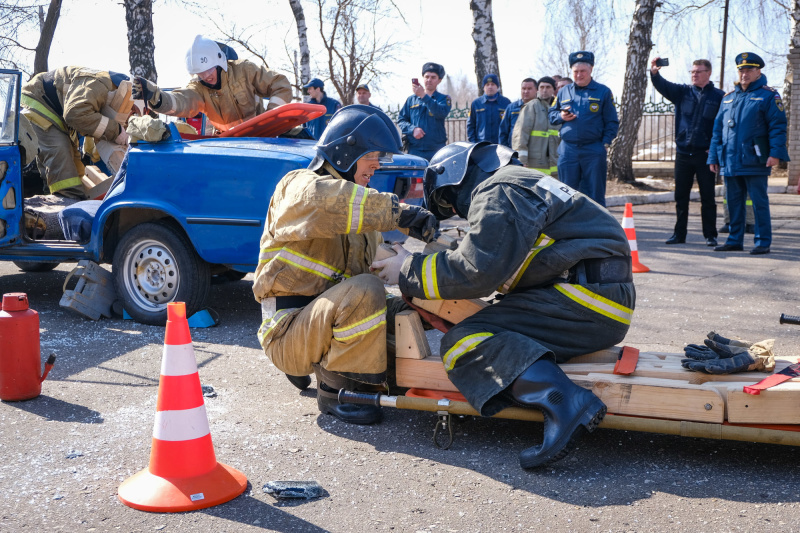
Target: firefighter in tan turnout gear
(62, 105)
(564, 266)
(534, 138)
(323, 311)
(228, 90)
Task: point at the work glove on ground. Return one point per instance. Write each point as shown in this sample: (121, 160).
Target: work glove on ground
(146, 90)
(421, 223)
(721, 355)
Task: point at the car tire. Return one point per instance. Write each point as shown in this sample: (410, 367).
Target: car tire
(35, 266)
(155, 264)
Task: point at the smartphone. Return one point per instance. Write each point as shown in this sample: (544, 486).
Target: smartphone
(415, 81)
(662, 62)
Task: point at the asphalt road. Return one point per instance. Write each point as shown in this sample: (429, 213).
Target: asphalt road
(64, 454)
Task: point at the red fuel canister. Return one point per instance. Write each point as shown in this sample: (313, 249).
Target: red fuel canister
(20, 361)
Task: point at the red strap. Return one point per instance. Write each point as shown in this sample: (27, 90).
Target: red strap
(434, 320)
(791, 371)
(626, 362)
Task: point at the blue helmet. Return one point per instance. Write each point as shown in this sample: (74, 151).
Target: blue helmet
(353, 131)
(450, 165)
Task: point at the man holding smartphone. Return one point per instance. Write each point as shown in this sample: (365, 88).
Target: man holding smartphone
(585, 110)
(696, 106)
(421, 120)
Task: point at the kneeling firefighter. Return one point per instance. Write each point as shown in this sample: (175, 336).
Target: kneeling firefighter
(563, 265)
(323, 311)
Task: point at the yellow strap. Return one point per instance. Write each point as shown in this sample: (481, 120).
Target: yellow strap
(463, 346)
(64, 184)
(536, 133)
(40, 108)
(595, 302)
(541, 243)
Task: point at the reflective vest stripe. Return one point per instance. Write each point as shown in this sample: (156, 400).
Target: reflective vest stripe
(268, 324)
(101, 127)
(63, 184)
(541, 243)
(553, 133)
(303, 262)
(429, 284)
(553, 169)
(543, 170)
(537, 133)
(355, 210)
(361, 328)
(595, 302)
(42, 110)
(463, 346)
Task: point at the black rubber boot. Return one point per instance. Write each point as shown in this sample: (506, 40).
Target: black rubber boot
(301, 382)
(569, 411)
(328, 385)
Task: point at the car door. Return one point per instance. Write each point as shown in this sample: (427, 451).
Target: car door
(10, 169)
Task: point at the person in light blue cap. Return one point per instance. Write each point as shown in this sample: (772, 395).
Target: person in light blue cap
(487, 111)
(585, 110)
(316, 90)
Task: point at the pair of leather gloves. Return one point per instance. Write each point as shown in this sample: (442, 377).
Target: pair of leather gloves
(720, 355)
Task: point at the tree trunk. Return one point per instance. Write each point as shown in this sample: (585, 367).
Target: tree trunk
(141, 46)
(792, 109)
(620, 166)
(302, 37)
(48, 29)
(485, 43)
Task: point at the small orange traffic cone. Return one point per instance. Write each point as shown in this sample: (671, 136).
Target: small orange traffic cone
(630, 232)
(184, 474)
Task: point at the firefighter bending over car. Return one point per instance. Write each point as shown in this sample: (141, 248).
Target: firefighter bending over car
(227, 89)
(323, 311)
(563, 265)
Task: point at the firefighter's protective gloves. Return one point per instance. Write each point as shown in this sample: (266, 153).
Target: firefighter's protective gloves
(146, 90)
(720, 355)
(389, 269)
(421, 223)
(123, 137)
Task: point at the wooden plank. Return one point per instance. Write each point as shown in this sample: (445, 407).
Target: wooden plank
(95, 175)
(410, 340)
(428, 373)
(777, 405)
(451, 310)
(658, 398)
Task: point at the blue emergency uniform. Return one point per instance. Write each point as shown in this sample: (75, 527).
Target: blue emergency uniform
(485, 115)
(509, 119)
(317, 126)
(750, 127)
(582, 153)
(428, 113)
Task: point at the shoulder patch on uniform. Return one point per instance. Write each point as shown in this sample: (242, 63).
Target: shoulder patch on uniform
(778, 102)
(448, 101)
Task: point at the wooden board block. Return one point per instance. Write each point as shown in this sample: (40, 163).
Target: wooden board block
(428, 373)
(451, 310)
(95, 175)
(777, 405)
(410, 340)
(658, 398)
(441, 244)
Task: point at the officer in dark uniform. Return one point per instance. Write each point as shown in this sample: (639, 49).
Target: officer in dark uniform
(363, 95)
(487, 111)
(749, 139)
(527, 93)
(564, 265)
(316, 90)
(585, 109)
(421, 120)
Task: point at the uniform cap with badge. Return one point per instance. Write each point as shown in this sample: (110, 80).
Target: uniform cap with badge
(749, 60)
(315, 82)
(491, 78)
(581, 56)
(436, 68)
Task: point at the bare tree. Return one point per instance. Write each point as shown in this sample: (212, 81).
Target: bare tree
(485, 55)
(141, 43)
(640, 42)
(302, 39)
(19, 17)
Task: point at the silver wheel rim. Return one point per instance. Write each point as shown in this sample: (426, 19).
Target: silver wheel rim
(151, 275)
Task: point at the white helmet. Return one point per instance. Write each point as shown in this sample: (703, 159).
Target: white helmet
(203, 55)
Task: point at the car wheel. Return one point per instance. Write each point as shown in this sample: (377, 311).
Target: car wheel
(35, 266)
(155, 264)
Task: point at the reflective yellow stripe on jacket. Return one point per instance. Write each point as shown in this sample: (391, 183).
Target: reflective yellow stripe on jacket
(303, 262)
(463, 346)
(429, 282)
(541, 243)
(270, 323)
(40, 108)
(355, 209)
(595, 302)
(360, 328)
(63, 184)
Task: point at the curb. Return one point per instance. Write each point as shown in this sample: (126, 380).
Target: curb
(669, 196)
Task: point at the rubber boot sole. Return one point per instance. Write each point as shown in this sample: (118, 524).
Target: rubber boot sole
(587, 422)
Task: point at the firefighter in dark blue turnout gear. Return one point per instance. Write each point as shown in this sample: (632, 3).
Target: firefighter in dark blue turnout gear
(527, 93)
(564, 265)
(487, 111)
(316, 90)
(421, 120)
(749, 139)
(585, 109)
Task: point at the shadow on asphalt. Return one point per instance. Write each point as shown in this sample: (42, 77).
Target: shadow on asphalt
(247, 510)
(52, 409)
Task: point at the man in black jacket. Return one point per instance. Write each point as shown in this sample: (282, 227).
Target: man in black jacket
(696, 106)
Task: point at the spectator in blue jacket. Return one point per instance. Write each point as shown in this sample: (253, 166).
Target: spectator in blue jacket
(749, 139)
(696, 106)
(316, 90)
(487, 111)
(527, 93)
(589, 121)
(363, 95)
(421, 120)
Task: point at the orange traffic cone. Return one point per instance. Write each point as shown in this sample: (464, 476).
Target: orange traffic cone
(184, 474)
(630, 232)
